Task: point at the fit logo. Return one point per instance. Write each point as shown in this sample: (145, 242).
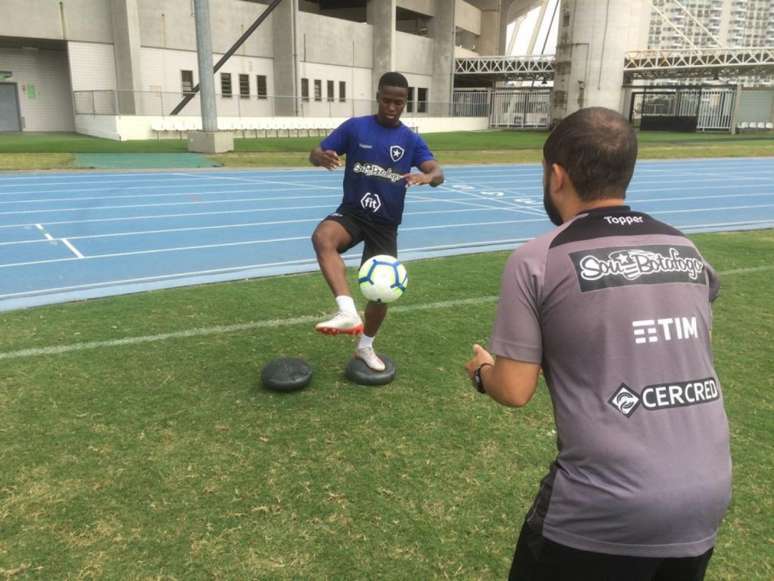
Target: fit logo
(371, 202)
(669, 329)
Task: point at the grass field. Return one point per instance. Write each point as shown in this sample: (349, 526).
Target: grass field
(56, 151)
(162, 458)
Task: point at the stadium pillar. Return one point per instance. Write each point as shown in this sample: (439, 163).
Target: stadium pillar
(495, 17)
(381, 14)
(125, 18)
(209, 140)
(594, 37)
(442, 30)
(283, 21)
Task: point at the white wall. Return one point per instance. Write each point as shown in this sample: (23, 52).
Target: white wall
(162, 79)
(92, 66)
(43, 87)
(358, 90)
(756, 105)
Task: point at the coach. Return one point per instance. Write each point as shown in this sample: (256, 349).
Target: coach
(615, 307)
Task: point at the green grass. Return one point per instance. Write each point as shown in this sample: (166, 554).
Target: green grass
(166, 459)
(35, 150)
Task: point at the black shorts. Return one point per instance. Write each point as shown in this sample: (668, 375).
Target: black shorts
(377, 238)
(540, 559)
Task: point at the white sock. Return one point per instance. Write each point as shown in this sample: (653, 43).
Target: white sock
(365, 341)
(346, 304)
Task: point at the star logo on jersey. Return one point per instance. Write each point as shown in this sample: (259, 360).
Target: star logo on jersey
(396, 152)
(624, 400)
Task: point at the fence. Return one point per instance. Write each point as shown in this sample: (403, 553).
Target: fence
(161, 104)
(687, 109)
(506, 107)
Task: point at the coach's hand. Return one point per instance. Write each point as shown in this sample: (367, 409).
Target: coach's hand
(417, 179)
(480, 357)
(328, 159)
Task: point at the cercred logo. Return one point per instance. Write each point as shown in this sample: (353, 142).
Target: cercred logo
(396, 152)
(667, 395)
(624, 400)
(666, 329)
(371, 202)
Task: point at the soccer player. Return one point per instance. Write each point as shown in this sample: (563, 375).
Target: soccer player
(380, 153)
(615, 307)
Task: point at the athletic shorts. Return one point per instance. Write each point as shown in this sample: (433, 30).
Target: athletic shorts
(540, 559)
(377, 238)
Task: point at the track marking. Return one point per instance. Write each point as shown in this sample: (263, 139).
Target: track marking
(43, 230)
(72, 248)
(269, 324)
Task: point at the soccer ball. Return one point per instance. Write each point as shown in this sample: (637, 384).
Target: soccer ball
(382, 279)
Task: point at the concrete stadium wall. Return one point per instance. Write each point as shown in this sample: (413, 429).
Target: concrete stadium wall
(170, 24)
(141, 127)
(80, 20)
(43, 87)
(415, 55)
(358, 89)
(331, 41)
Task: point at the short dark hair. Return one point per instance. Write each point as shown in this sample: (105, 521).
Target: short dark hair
(393, 79)
(598, 149)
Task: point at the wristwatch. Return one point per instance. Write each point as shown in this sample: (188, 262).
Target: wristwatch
(478, 383)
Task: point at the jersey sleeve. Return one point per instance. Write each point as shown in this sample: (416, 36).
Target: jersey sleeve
(339, 138)
(422, 153)
(713, 282)
(517, 333)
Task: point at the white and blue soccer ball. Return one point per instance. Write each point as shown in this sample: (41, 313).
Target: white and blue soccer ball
(382, 279)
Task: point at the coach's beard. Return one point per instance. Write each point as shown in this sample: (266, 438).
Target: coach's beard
(550, 208)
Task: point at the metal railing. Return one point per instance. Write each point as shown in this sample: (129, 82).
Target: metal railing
(161, 104)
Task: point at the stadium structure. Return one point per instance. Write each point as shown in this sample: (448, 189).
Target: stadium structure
(127, 69)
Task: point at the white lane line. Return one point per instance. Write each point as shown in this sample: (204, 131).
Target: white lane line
(72, 248)
(261, 181)
(267, 324)
(43, 230)
(223, 329)
(254, 242)
(191, 203)
(413, 200)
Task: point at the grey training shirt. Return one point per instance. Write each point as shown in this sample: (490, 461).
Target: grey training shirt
(615, 306)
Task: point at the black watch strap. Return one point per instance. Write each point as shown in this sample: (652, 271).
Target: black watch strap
(478, 383)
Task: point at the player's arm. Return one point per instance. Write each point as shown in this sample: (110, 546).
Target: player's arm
(432, 174)
(507, 381)
(326, 158)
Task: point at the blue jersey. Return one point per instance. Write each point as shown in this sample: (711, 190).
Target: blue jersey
(377, 157)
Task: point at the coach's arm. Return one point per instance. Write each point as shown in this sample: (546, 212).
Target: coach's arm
(507, 381)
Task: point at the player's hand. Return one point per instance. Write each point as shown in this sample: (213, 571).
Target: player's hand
(480, 356)
(328, 159)
(417, 179)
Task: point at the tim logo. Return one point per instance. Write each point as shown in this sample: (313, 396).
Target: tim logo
(611, 267)
(667, 329)
(371, 202)
(624, 400)
(396, 152)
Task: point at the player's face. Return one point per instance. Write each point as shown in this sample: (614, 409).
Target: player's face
(391, 101)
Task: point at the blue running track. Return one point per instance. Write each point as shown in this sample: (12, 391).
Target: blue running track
(70, 236)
